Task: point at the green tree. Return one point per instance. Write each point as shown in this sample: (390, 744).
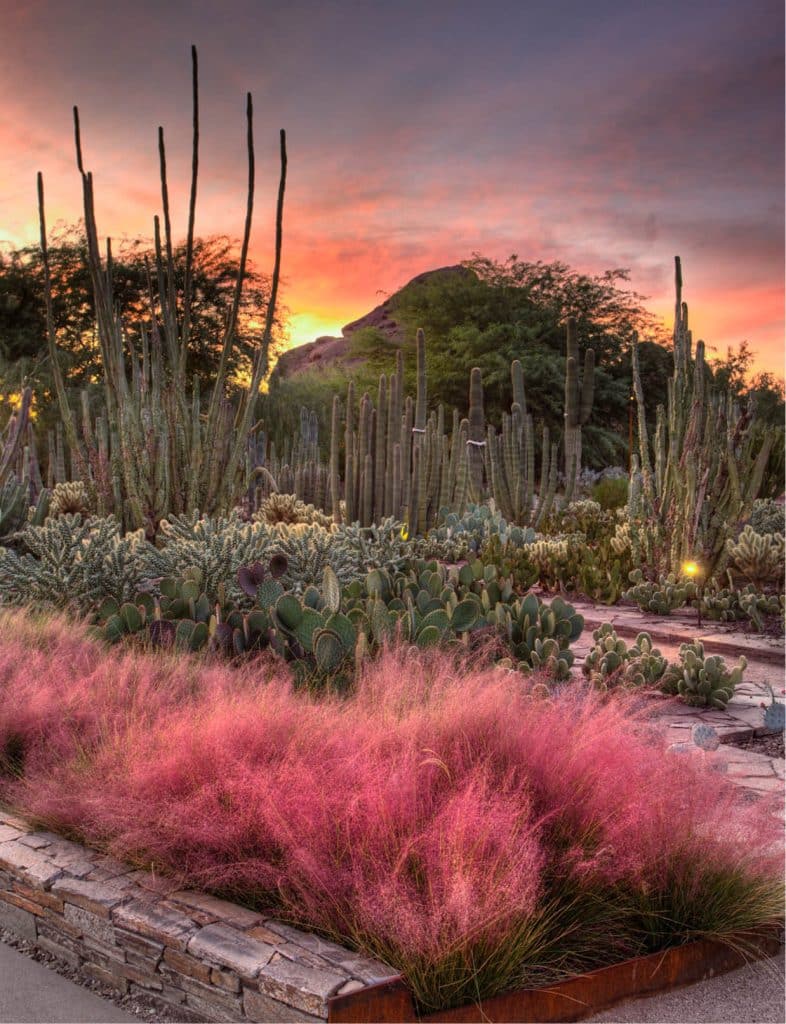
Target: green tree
(490, 313)
(22, 312)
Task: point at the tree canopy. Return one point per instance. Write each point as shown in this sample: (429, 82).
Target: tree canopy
(22, 310)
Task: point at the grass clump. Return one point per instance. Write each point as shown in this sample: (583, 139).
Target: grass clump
(444, 818)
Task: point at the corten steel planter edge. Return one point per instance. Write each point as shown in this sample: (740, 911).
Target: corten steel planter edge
(570, 1000)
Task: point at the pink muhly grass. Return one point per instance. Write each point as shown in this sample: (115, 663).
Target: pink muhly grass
(436, 818)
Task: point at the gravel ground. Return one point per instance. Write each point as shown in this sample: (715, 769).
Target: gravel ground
(138, 1006)
(751, 995)
(771, 744)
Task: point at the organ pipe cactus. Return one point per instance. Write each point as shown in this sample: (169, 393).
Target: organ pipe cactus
(578, 404)
(703, 468)
(162, 452)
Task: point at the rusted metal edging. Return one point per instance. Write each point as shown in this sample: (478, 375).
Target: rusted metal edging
(569, 1000)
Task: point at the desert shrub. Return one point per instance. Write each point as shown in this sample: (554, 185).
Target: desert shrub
(442, 819)
(611, 492)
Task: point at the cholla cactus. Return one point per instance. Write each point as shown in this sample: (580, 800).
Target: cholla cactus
(73, 563)
(608, 654)
(70, 499)
(702, 680)
(647, 664)
(768, 516)
(757, 556)
(218, 547)
(287, 508)
(621, 541)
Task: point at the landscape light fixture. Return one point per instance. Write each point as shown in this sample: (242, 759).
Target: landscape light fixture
(695, 572)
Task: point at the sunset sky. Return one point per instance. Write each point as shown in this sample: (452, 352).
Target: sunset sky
(604, 133)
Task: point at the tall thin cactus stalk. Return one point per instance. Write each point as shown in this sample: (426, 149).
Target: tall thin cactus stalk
(579, 396)
(709, 460)
(164, 453)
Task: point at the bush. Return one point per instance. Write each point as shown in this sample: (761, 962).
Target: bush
(611, 493)
(444, 819)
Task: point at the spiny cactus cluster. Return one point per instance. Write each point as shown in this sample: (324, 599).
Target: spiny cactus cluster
(458, 536)
(611, 662)
(661, 597)
(288, 508)
(71, 562)
(768, 516)
(584, 516)
(758, 557)
(69, 498)
(702, 680)
(731, 605)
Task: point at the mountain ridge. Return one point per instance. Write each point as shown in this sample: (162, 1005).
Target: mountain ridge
(329, 350)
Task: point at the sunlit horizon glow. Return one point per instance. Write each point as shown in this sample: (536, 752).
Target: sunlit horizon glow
(419, 134)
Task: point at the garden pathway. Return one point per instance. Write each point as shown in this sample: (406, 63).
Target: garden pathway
(742, 719)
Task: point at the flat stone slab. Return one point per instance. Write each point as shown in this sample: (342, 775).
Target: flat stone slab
(169, 927)
(305, 988)
(229, 913)
(229, 947)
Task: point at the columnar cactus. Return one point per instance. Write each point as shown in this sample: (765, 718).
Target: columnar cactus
(154, 450)
(709, 458)
(578, 404)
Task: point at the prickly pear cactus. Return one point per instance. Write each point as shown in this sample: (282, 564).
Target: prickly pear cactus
(702, 680)
(612, 662)
(661, 598)
(774, 713)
